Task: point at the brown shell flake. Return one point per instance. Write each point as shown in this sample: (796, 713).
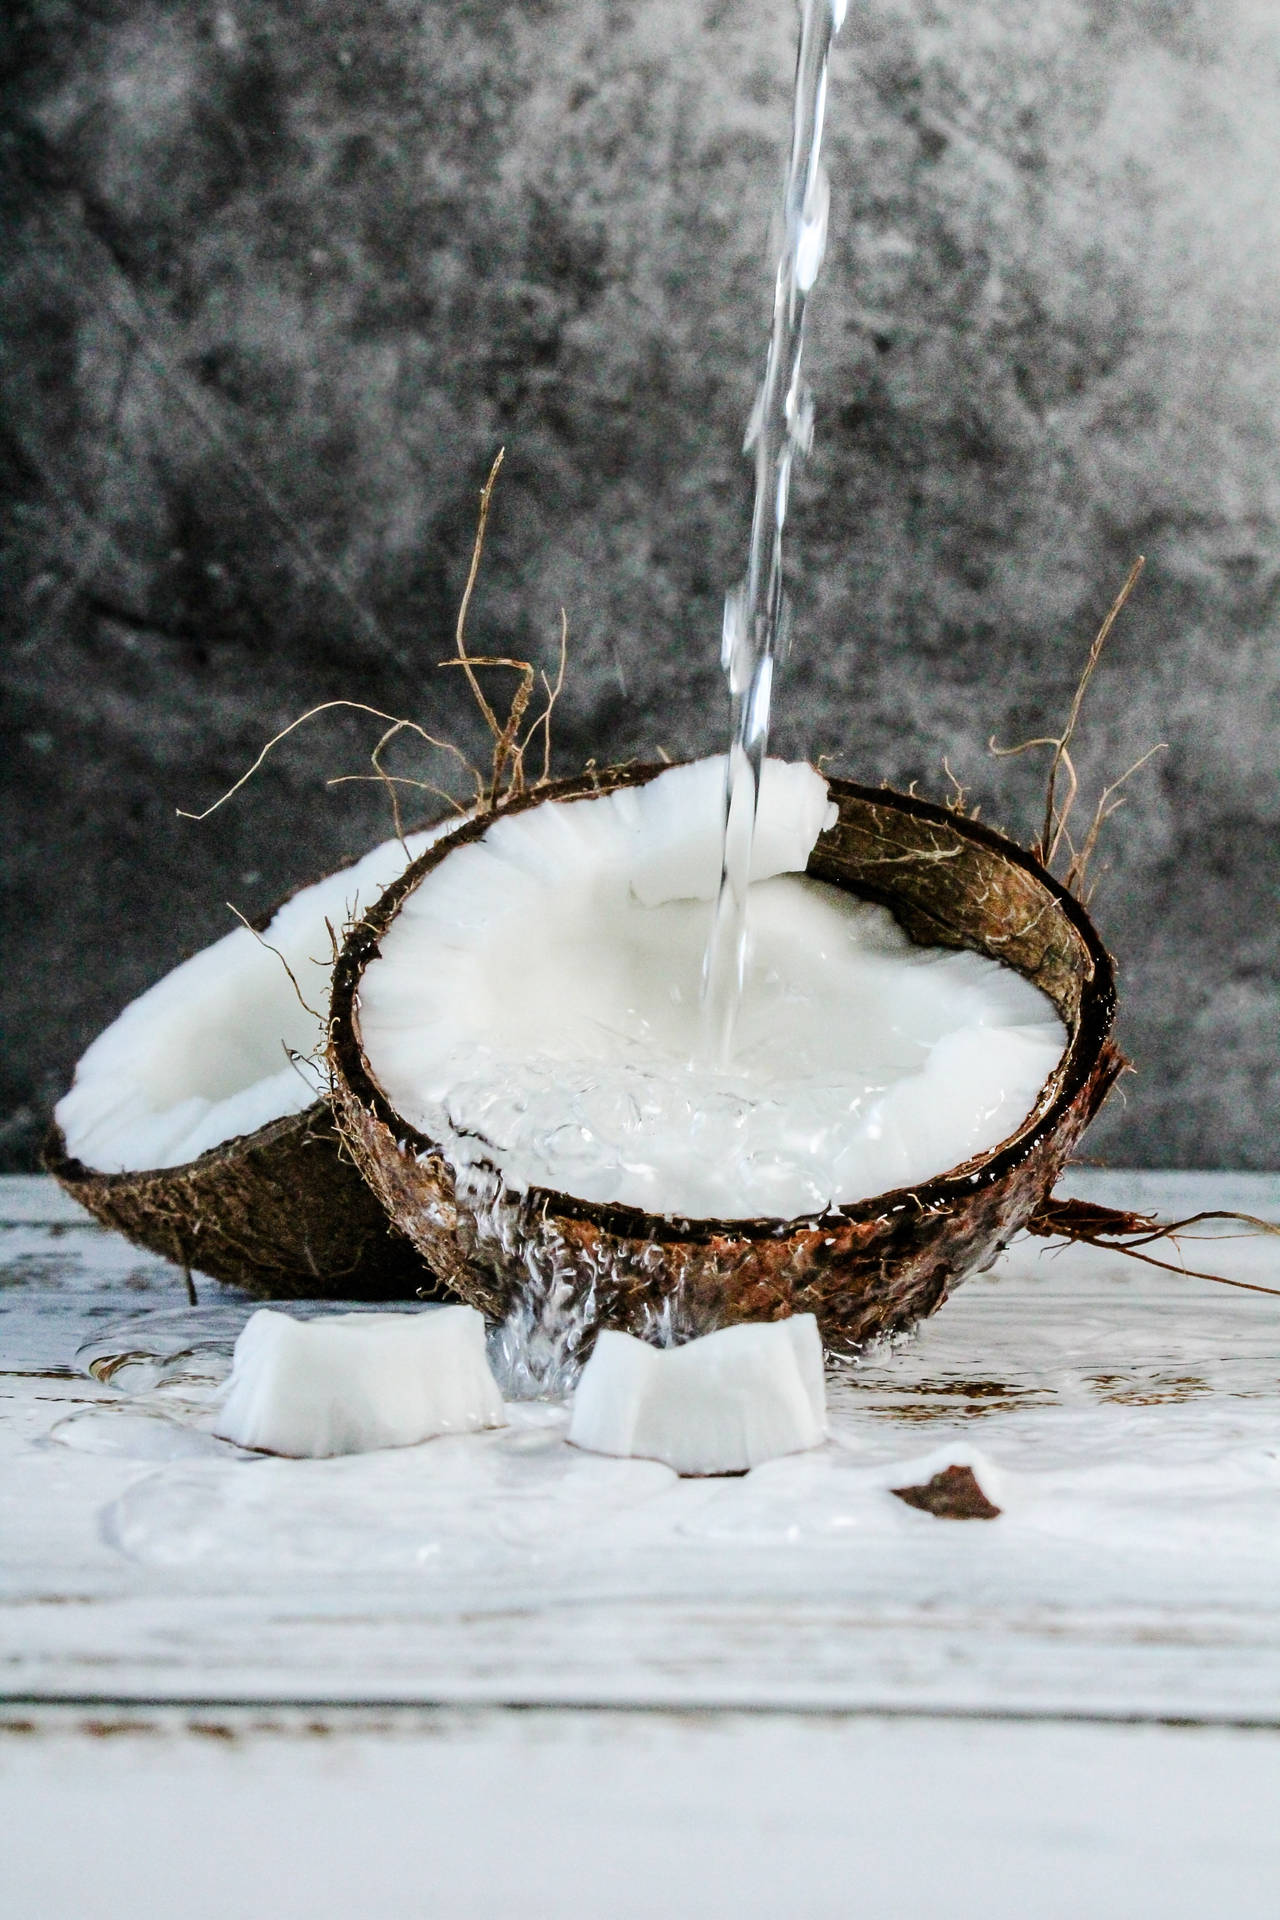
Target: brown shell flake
(869, 1268)
(953, 1494)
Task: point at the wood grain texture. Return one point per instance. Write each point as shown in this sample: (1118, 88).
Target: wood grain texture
(1131, 1574)
(471, 1814)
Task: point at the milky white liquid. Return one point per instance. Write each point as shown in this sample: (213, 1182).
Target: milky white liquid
(530, 1011)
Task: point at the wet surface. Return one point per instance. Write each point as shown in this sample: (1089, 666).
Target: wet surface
(1127, 1446)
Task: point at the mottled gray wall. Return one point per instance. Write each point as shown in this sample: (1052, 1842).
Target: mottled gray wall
(279, 278)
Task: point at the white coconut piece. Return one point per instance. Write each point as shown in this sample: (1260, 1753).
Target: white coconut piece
(719, 1404)
(677, 821)
(352, 1382)
(537, 1008)
(223, 1044)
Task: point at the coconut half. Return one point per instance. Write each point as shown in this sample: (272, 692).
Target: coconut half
(863, 1264)
(198, 1123)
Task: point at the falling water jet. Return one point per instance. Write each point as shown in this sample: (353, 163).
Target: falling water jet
(757, 613)
(569, 1244)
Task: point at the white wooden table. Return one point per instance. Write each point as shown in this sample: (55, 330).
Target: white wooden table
(497, 1676)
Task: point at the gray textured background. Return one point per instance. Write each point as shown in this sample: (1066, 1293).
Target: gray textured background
(279, 279)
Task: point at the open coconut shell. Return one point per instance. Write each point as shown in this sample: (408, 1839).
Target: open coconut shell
(872, 1267)
(282, 1212)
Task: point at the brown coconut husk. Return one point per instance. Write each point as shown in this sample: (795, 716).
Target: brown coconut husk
(282, 1212)
(873, 1267)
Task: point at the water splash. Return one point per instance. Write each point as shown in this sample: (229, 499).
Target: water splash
(757, 614)
(538, 1351)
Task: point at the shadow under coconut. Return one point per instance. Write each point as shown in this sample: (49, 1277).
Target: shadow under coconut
(872, 1267)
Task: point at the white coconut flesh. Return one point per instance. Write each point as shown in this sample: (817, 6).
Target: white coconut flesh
(353, 1382)
(536, 1010)
(720, 1404)
(223, 1044)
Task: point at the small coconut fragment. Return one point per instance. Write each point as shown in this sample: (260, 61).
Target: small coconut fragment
(677, 829)
(952, 1494)
(198, 1122)
(352, 1382)
(719, 1404)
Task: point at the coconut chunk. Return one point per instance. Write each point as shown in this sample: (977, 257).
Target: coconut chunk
(352, 1382)
(719, 1404)
(678, 846)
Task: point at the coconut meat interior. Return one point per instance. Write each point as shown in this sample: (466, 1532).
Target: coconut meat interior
(223, 1044)
(536, 1010)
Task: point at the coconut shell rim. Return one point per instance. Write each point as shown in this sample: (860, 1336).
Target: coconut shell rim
(1086, 1048)
(70, 1169)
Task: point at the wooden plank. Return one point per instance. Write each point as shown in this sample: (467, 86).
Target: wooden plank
(487, 1814)
(468, 1816)
(35, 1199)
(1125, 1419)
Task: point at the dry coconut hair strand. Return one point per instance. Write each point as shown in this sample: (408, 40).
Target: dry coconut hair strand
(508, 748)
(1054, 834)
(507, 777)
(293, 978)
(1116, 1231)
(1077, 1220)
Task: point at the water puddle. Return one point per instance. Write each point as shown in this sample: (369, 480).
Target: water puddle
(514, 1498)
(136, 1433)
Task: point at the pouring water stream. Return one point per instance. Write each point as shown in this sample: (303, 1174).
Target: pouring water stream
(757, 612)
